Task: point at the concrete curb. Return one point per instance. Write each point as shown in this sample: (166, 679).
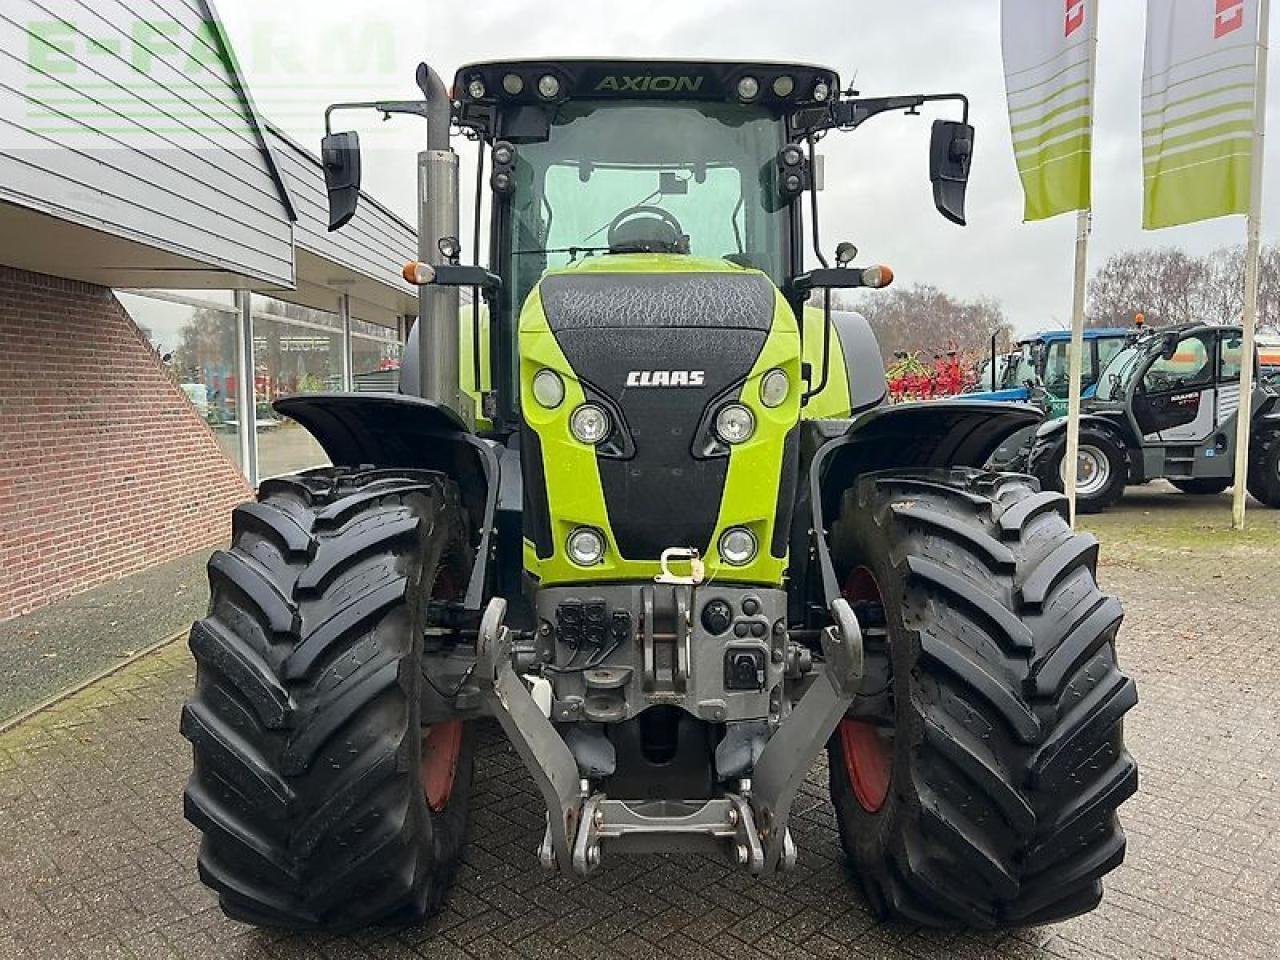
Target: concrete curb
(17, 720)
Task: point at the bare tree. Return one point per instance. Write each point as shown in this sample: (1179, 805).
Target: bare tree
(923, 319)
(1170, 286)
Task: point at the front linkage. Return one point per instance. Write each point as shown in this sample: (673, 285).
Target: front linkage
(749, 824)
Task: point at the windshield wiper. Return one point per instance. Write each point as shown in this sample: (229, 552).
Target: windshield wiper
(572, 251)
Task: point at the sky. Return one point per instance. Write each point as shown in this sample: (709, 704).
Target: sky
(300, 55)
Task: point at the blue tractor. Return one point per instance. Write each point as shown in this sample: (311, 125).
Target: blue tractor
(1038, 370)
(1038, 373)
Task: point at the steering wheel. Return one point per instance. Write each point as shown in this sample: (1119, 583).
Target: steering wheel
(646, 229)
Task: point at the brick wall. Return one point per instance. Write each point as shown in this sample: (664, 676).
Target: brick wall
(105, 467)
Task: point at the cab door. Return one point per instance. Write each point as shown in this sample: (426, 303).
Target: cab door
(1174, 401)
(1231, 354)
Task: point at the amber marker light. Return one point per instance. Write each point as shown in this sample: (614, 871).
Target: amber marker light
(877, 277)
(419, 274)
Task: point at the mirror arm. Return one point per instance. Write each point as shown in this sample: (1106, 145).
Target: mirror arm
(454, 275)
(416, 108)
(813, 205)
(851, 114)
(828, 278)
(826, 350)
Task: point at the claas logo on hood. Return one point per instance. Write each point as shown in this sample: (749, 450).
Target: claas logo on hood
(666, 378)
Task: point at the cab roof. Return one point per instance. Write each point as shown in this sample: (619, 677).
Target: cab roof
(481, 88)
(1095, 333)
(1185, 329)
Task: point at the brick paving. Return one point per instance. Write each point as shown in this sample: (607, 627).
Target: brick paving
(96, 860)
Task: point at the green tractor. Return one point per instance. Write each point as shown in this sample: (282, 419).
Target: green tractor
(661, 526)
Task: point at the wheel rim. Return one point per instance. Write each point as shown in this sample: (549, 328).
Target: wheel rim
(866, 746)
(441, 747)
(1093, 471)
(441, 742)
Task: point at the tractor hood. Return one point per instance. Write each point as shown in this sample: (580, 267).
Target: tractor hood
(663, 342)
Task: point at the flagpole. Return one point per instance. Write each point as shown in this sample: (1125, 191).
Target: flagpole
(1075, 355)
(1252, 256)
(1076, 361)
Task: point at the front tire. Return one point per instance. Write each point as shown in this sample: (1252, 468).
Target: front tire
(323, 802)
(1264, 469)
(1102, 473)
(977, 775)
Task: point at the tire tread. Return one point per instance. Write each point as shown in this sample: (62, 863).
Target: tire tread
(1016, 764)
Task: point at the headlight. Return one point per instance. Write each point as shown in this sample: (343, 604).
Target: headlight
(748, 89)
(737, 546)
(548, 389)
(476, 89)
(513, 84)
(549, 87)
(586, 546)
(774, 388)
(590, 423)
(735, 424)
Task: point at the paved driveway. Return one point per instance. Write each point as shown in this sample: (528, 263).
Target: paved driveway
(96, 861)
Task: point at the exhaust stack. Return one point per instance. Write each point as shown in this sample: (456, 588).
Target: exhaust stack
(438, 346)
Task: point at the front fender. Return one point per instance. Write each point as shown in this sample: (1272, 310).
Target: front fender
(1267, 413)
(936, 434)
(1011, 395)
(390, 430)
(1056, 425)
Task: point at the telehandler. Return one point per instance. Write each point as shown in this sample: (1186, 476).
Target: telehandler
(1166, 406)
(664, 529)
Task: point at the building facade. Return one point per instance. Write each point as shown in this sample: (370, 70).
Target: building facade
(165, 274)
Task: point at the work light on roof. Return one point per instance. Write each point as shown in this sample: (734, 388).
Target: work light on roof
(549, 86)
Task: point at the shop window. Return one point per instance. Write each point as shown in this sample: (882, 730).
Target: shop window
(296, 350)
(194, 334)
(375, 358)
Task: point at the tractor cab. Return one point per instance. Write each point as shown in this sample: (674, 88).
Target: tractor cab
(1040, 369)
(1176, 385)
(648, 167)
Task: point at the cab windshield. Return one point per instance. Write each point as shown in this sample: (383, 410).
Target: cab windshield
(1116, 376)
(634, 176)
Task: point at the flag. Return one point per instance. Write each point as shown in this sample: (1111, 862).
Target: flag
(1198, 86)
(1048, 71)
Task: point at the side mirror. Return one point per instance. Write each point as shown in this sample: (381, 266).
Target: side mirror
(950, 156)
(340, 157)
